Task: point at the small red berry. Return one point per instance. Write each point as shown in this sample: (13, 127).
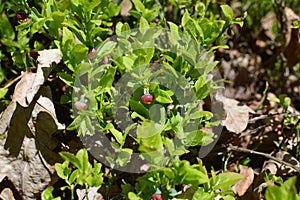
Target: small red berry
(21, 15)
(92, 54)
(147, 98)
(157, 197)
(34, 54)
(81, 104)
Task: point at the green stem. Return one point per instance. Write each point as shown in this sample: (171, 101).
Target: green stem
(86, 192)
(72, 192)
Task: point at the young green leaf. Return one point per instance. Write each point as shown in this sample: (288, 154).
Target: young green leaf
(63, 169)
(47, 194)
(286, 191)
(225, 180)
(71, 158)
(139, 6)
(228, 12)
(83, 158)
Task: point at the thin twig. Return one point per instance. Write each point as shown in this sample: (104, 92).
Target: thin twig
(240, 149)
(13, 81)
(269, 115)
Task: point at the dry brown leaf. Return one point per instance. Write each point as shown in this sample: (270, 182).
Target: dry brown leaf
(22, 88)
(45, 60)
(34, 158)
(27, 88)
(44, 104)
(19, 98)
(8, 190)
(17, 115)
(290, 16)
(292, 52)
(6, 117)
(7, 194)
(237, 116)
(92, 193)
(44, 111)
(271, 166)
(287, 157)
(242, 186)
(126, 6)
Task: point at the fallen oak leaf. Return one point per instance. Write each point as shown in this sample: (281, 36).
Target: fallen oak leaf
(237, 115)
(27, 88)
(242, 186)
(16, 116)
(22, 88)
(45, 60)
(45, 125)
(44, 104)
(126, 6)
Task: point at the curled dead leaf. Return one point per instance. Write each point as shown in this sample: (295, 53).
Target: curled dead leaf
(126, 6)
(242, 186)
(45, 60)
(22, 88)
(27, 88)
(237, 115)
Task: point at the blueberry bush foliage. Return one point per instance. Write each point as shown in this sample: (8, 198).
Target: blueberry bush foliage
(137, 88)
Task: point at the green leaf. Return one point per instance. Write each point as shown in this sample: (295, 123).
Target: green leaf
(73, 176)
(228, 12)
(75, 123)
(57, 20)
(186, 17)
(274, 99)
(67, 35)
(124, 156)
(225, 180)
(189, 174)
(47, 194)
(132, 196)
(200, 137)
(97, 167)
(143, 25)
(139, 108)
(80, 34)
(6, 30)
(117, 134)
(63, 170)
(202, 88)
(139, 6)
(83, 158)
(81, 179)
(107, 78)
(91, 4)
(3, 92)
(126, 188)
(78, 53)
(106, 48)
(71, 158)
(94, 181)
(118, 30)
(228, 197)
(125, 28)
(149, 137)
(201, 194)
(195, 177)
(286, 191)
(164, 96)
(64, 187)
(66, 78)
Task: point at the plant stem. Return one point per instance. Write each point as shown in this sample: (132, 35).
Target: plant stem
(86, 192)
(240, 149)
(72, 192)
